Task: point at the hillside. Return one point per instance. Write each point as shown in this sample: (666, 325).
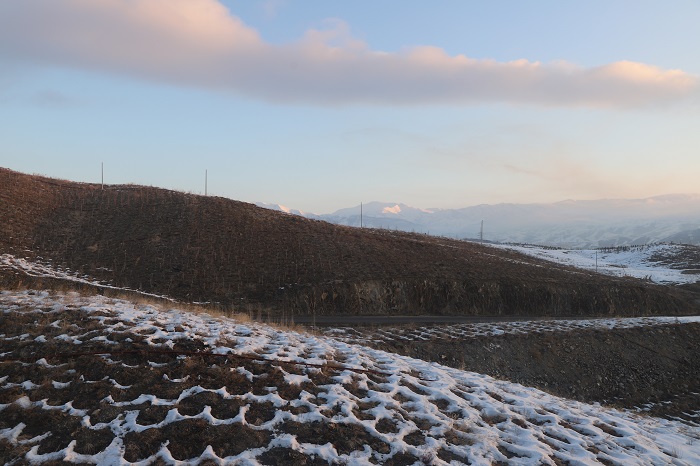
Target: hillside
(660, 263)
(89, 379)
(212, 249)
(646, 364)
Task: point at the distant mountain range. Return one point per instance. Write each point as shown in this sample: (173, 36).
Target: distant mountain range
(573, 224)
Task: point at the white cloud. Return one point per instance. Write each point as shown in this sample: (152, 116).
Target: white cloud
(200, 43)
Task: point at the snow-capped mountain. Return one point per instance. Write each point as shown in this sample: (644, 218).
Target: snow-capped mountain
(285, 209)
(574, 224)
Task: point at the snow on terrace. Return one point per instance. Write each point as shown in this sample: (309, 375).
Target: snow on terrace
(184, 388)
(485, 329)
(625, 262)
(43, 268)
(37, 268)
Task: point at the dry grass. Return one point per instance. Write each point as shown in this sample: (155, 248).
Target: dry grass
(274, 266)
(163, 304)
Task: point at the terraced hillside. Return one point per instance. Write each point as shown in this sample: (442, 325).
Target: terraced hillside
(212, 249)
(649, 364)
(95, 380)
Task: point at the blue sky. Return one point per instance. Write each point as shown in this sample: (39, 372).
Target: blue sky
(319, 105)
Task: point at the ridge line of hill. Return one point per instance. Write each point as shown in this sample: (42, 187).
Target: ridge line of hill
(212, 249)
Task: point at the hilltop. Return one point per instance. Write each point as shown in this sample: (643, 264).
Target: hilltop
(212, 249)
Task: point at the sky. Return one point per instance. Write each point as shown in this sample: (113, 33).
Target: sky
(321, 105)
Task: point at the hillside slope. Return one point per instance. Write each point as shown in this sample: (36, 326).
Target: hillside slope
(198, 248)
(97, 380)
(660, 263)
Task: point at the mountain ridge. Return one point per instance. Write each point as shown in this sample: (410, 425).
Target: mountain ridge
(567, 223)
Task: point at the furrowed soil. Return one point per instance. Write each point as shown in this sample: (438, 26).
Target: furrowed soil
(651, 368)
(96, 380)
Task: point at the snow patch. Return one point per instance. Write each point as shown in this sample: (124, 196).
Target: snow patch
(473, 416)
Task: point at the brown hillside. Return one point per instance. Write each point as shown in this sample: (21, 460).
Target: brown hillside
(200, 248)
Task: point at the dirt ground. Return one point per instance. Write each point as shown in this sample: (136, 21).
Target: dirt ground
(77, 380)
(654, 369)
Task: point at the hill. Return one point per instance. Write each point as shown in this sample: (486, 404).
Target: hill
(89, 379)
(211, 249)
(677, 264)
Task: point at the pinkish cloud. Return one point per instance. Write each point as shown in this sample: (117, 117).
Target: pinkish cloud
(200, 43)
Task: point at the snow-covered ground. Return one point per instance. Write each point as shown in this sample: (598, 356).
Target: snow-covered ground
(44, 268)
(402, 410)
(634, 261)
(486, 329)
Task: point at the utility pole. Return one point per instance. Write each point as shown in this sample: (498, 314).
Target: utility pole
(360, 214)
(596, 261)
(481, 232)
(103, 175)
(205, 181)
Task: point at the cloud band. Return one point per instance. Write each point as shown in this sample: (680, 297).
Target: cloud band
(199, 43)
